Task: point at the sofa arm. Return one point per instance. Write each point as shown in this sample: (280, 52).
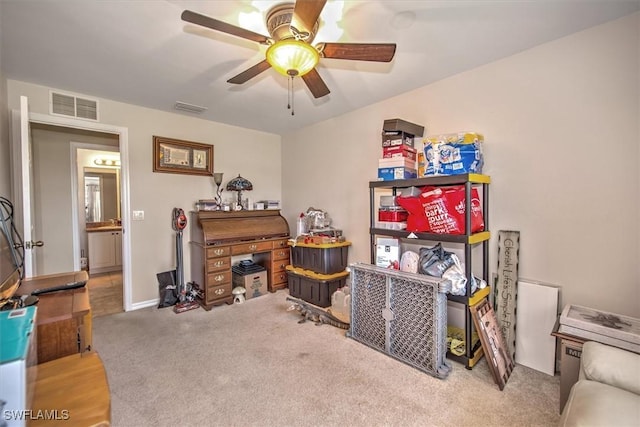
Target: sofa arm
(610, 365)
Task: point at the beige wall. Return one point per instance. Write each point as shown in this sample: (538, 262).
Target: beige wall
(255, 155)
(5, 175)
(562, 149)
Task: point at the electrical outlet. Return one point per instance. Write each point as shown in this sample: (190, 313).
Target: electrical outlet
(138, 215)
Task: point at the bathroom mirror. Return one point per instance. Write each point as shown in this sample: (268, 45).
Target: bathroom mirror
(101, 194)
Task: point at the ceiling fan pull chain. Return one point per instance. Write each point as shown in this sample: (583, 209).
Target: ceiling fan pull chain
(290, 95)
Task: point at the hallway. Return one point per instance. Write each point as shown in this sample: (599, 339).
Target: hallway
(105, 293)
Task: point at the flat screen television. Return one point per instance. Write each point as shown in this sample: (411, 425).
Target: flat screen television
(11, 255)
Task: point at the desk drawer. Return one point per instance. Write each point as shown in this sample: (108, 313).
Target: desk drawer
(218, 278)
(278, 278)
(279, 265)
(280, 244)
(279, 253)
(217, 292)
(248, 248)
(216, 264)
(218, 251)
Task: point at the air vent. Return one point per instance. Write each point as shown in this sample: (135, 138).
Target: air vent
(72, 106)
(189, 108)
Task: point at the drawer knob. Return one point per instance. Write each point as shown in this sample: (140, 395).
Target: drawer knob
(219, 264)
(253, 247)
(283, 265)
(219, 291)
(219, 278)
(219, 251)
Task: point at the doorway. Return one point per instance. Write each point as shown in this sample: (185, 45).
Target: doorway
(70, 215)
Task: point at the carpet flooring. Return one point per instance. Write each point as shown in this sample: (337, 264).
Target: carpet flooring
(253, 364)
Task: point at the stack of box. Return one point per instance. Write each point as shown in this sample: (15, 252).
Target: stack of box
(317, 271)
(391, 215)
(399, 154)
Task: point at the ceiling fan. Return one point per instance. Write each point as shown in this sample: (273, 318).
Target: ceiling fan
(292, 27)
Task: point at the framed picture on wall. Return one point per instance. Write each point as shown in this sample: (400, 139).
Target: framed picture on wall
(177, 156)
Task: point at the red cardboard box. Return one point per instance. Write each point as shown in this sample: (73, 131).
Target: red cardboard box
(399, 151)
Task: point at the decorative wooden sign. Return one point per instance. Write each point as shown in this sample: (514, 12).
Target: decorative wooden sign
(498, 357)
(506, 290)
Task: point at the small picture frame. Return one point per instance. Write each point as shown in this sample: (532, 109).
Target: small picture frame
(186, 157)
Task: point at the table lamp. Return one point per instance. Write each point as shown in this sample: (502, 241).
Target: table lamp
(217, 178)
(239, 184)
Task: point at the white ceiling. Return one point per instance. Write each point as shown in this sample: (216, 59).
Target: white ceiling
(141, 52)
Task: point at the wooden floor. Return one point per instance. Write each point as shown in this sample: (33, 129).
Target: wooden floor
(105, 293)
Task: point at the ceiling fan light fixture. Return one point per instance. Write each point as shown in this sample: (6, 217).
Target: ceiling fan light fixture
(292, 57)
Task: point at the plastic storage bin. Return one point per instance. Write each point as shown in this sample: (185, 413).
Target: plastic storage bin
(329, 258)
(314, 288)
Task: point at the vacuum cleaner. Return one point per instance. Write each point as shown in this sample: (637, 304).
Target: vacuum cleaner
(184, 303)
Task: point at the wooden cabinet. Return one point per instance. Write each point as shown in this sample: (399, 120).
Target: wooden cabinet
(64, 318)
(218, 236)
(105, 250)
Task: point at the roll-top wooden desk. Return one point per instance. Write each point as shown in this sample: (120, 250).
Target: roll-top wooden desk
(217, 236)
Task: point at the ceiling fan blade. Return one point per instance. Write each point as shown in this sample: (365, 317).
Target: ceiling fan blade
(306, 13)
(250, 73)
(214, 24)
(378, 52)
(315, 84)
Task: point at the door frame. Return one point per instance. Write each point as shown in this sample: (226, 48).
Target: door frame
(123, 136)
(76, 187)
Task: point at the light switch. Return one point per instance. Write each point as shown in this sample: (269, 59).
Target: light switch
(138, 215)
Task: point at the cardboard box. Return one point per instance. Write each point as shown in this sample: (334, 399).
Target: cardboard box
(393, 139)
(570, 355)
(389, 174)
(403, 126)
(388, 253)
(254, 283)
(399, 151)
(395, 162)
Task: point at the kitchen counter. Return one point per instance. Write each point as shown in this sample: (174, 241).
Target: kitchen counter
(104, 228)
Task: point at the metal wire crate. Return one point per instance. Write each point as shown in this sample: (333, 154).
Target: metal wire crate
(403, 315)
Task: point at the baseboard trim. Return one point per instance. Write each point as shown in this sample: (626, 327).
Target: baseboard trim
(145, 304)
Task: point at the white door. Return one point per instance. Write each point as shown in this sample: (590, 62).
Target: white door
(23, 173)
